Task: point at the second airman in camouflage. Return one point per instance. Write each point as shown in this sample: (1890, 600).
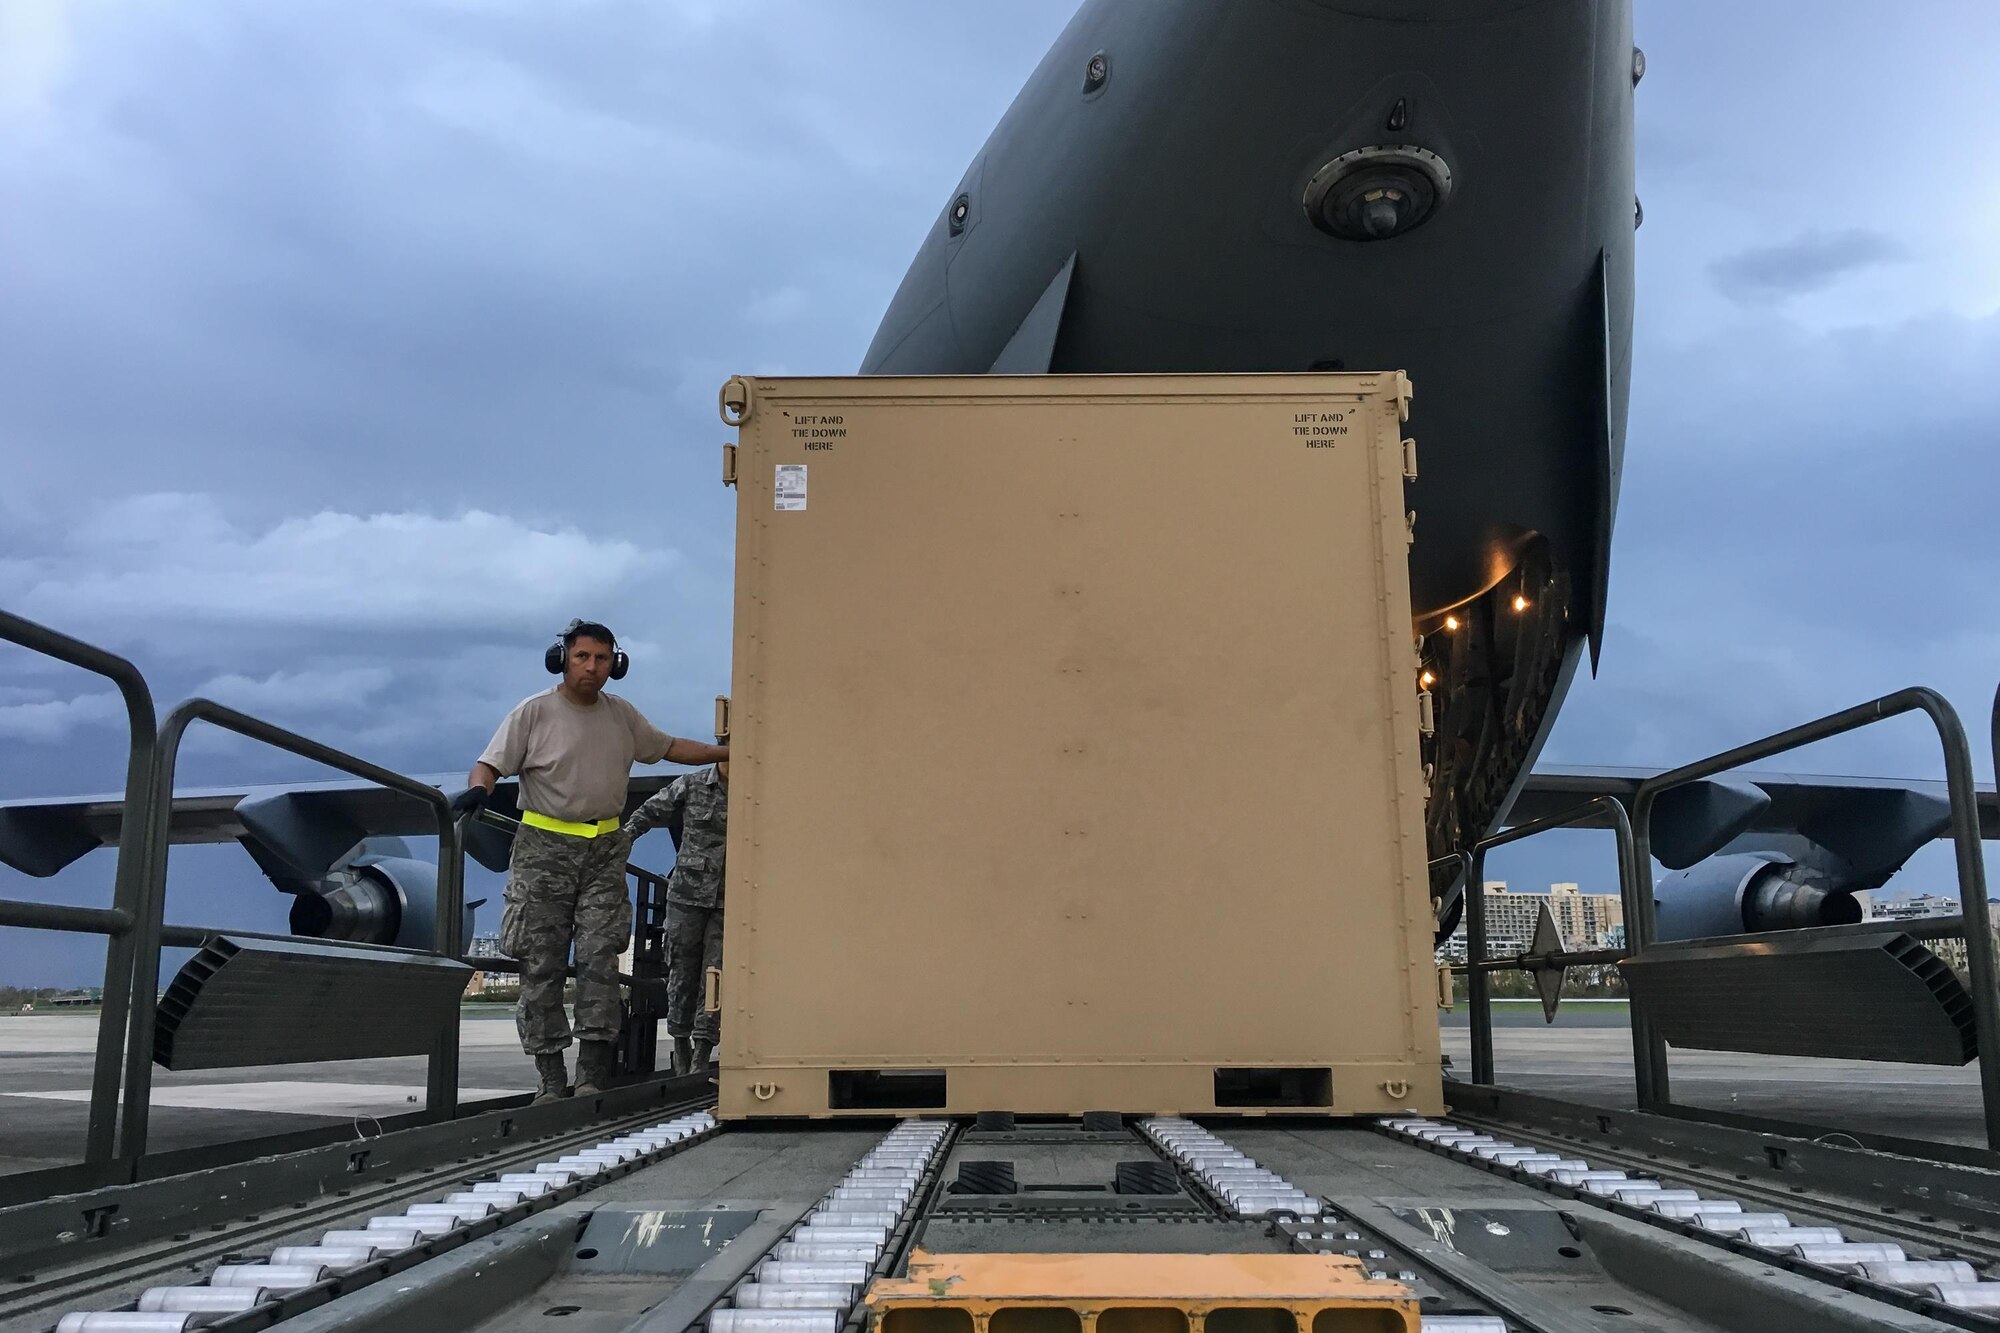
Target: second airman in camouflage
(696, 806)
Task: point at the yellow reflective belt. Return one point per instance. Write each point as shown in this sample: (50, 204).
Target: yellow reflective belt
(569, 826)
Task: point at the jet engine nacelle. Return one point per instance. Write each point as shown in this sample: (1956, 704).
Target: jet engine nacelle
(374, 899)
(1749, 892)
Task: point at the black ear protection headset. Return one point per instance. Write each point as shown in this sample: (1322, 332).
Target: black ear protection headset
(557, 656)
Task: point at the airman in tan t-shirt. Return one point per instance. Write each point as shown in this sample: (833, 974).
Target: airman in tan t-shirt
(573, 748)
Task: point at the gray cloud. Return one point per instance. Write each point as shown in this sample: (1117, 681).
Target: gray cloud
(46, 721)
(1763, 577)
(177, 560)
(1808, 262)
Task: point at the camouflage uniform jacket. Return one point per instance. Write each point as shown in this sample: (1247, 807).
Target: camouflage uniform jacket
(696, 806)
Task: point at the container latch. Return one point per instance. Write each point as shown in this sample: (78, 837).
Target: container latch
(736, 401)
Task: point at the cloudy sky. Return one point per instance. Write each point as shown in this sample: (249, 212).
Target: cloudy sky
(348, 350)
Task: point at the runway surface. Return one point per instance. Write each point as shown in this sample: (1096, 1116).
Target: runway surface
(45, 1062)
(1586, 1056)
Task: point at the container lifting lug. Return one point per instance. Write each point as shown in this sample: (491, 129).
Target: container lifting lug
(1409, 460)
(728, 465)
(736, 401)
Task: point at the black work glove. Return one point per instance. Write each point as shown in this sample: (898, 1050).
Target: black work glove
(468, 801)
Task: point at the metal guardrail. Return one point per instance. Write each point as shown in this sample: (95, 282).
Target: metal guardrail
(1650, 1050)
(129, 882)
(1479, 969)
(441, 1092)
(135, 928)
(1650, 1069)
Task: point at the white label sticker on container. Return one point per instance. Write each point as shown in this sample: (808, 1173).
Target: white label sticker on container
(790, 489)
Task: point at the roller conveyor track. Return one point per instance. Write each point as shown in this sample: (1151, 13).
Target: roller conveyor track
(1924, 1285)
(1912, 1231)
(291, 1280)
(1311, 1188)
(89, 1284)
(812, 1281)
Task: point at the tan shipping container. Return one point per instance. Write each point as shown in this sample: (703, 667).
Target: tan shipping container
(1075, 726)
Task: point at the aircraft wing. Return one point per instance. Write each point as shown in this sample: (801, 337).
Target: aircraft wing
(41, 835)
(1797, 800)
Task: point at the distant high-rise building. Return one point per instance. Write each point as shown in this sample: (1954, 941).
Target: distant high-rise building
(1587, 920)
(1911, 908)
(488, 946)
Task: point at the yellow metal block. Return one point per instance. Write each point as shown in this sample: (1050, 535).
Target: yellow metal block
(1138, 1293)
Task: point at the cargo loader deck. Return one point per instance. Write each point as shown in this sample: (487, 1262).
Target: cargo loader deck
(660, 1222)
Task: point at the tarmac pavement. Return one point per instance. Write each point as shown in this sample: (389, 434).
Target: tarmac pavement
(1586, 1056)
(45, 1064)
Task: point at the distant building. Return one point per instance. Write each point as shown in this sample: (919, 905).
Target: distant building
(488, 946)
(1911, 908)
(1587, 920)
(1917, 907)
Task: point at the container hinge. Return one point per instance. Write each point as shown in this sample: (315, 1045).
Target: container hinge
(711, 990)
(1447, 991)
(1426, 713)
(722, 718)
(1410, 528)
(736, 401)
(728, 465)
(1405, 391)
(1409, 460)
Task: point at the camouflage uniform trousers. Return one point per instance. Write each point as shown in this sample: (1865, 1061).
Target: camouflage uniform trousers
(694, 944)
(561, 888)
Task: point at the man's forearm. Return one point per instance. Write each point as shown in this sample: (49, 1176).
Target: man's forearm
(650, 815)
(482, 775)
(684, 751)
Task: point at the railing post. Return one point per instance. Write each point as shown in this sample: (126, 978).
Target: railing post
(1650, 1085)
(1641, 927)
(1972, 906)
(120, 948)
(1478, 981)
(151, 916)
(441, 1082)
